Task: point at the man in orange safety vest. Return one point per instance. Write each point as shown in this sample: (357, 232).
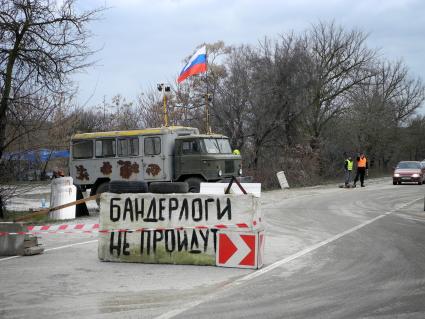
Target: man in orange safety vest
(362, 169)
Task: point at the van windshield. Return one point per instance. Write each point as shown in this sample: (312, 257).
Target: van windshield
(217, 145)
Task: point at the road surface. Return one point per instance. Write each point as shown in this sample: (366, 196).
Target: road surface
(330, 253)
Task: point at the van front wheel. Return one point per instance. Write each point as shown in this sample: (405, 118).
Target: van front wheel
(168, 187)
(194, 184)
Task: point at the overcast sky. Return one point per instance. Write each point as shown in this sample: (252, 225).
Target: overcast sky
(144, 42)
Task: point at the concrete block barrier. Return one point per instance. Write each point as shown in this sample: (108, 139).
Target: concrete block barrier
(14, 240)
(220, 188)
(12, 245)
(174, 228)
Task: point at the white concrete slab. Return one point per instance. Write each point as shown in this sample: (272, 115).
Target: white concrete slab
(220, 188)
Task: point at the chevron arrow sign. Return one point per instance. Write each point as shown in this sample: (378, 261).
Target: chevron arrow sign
(240, 249)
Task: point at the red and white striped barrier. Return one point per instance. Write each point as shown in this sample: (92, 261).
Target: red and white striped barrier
(64, 228)
(90, 228)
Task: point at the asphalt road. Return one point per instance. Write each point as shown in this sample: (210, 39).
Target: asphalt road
(330, 253)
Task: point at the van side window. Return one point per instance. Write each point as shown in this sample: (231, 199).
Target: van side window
(152, 145)
(133, 146)
(105, 147)
(82, 149)
(128, 146)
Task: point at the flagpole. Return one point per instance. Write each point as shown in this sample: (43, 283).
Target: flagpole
(207, 113)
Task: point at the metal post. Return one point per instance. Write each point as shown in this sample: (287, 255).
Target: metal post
(207, 115)
(165, 108)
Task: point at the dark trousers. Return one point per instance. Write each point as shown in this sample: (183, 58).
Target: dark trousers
(347, 177)
(360, 174)
(80, 209)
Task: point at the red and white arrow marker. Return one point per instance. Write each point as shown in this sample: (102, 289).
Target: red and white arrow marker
(239, 249)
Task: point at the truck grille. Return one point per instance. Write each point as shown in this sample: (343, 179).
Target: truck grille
(229, 166)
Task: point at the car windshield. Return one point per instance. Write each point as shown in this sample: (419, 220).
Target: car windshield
(408, 165)
(217, 145)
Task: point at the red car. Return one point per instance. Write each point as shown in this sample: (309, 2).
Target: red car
(409, 172)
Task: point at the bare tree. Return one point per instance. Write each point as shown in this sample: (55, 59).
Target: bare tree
(412, 144)
(150, 108)
(279, 92)
(42, 42)
(340, 61)
(381, 106)
(260, 97)
(232, 98)
(125, 116)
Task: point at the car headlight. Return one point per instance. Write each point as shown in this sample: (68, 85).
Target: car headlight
(415, 175)
(240, 171)
(396, 175)
(220, 172)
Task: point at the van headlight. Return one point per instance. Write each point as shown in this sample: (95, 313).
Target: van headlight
(220, 172)
(396, 175)
(415, 175)
(240, 172)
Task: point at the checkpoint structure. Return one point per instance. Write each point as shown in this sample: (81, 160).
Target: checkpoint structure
(192, 228)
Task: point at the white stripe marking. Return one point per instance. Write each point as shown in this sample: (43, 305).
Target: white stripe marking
(54, 248)
(278, 263)
(305, 251)
(71, 245)
(8, 258)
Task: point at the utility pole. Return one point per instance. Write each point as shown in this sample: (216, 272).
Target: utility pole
(165, 89)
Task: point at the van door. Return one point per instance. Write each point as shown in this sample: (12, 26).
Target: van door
(188, 159)
(153, 158)
(129, 165)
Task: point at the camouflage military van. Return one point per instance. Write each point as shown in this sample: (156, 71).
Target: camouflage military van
(156, 154)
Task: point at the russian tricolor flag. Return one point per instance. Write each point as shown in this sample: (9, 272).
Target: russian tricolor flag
(197, 64)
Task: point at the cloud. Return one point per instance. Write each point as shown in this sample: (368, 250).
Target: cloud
(145, 41)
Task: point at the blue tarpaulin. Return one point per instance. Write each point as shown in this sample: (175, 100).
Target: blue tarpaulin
(42, 155)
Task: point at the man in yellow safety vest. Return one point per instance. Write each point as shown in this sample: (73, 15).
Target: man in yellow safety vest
(348, 168)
